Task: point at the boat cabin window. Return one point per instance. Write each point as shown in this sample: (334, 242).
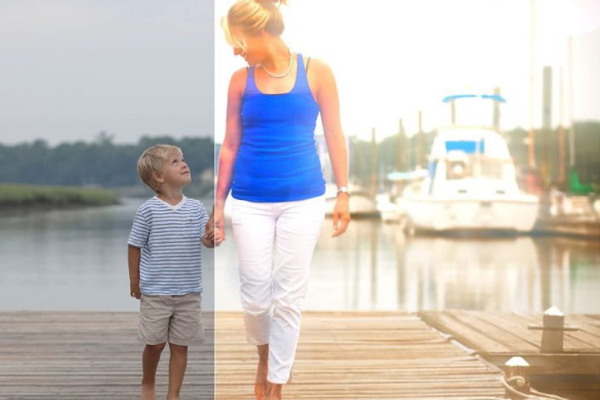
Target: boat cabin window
(457, 169)
(473, 167)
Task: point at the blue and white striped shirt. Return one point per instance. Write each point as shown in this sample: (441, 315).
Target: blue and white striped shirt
(170, 239)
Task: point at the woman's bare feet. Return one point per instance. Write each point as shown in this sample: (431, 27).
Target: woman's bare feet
(260, 385)
(273, 391)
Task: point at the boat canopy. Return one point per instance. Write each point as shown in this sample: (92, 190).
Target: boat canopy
(466, 146)
(494, 97)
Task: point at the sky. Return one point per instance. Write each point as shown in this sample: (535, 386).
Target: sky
(392, 58)
(72, 68)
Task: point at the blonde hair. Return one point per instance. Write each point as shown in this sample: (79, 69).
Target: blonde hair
(249, 17)
(152, 160)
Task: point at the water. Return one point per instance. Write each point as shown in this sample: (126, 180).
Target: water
(73, 260)
(77, 260)
(373, 266)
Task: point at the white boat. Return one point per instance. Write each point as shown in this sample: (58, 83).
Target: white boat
(391, 210)
(471, 186)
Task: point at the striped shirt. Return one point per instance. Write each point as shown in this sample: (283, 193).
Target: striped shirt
(170, 239)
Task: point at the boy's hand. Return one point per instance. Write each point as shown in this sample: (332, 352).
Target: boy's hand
(208, 239)
(134, 290)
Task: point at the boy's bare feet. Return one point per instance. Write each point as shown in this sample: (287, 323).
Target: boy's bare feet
(148, 392)
(260, 385)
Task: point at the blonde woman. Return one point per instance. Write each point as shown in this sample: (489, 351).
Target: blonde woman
(269, 162)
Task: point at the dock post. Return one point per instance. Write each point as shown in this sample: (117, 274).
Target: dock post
(553, 331)
(516, 375)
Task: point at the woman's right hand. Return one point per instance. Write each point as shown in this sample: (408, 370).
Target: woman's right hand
(219, 224)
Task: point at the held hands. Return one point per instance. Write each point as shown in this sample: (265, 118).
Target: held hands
(341, 215)
(215, 232)
(212, 237)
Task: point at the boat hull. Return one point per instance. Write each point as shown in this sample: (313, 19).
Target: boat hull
(428, 213)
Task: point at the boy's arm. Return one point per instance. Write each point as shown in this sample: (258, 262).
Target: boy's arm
(134, 255)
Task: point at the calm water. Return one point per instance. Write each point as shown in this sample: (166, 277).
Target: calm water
(77, 260)
(74, 260)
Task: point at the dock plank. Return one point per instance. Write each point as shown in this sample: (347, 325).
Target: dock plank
(354, 355)
(341, 355)
(499, 336)
(87, 355)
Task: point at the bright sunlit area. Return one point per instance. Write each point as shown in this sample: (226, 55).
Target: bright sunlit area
(392, 59)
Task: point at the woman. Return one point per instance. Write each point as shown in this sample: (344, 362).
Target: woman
(269, 162)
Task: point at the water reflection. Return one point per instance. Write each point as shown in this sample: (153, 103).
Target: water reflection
(77, 260)
(375, 267)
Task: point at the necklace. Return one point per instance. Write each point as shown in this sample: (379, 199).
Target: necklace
(282, 75)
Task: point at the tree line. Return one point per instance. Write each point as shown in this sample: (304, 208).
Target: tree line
(399, 152)
(101, 163)
(105, 164)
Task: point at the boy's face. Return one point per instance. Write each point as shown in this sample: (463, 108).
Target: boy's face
(175, 171)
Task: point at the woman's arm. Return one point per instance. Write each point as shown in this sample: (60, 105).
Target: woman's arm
(328, 100)
(231, 144)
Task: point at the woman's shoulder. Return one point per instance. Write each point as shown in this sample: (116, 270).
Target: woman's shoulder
(313, 62)
(238, 79)
(316, 66)
(240, 75)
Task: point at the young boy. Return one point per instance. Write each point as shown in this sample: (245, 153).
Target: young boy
(164, 265)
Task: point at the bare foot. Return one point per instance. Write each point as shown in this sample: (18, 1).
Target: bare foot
(260, 385)
(273, 391)
(148, 392)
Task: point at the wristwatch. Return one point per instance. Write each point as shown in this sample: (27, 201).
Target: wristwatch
(343, 189)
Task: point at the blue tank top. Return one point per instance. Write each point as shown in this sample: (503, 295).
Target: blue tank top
(277, 159)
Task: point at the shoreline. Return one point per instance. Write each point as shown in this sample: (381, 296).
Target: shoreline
(16, 198)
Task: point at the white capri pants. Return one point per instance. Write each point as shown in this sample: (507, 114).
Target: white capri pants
(275, 243)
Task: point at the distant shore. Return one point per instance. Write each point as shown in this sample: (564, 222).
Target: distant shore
(24, 197)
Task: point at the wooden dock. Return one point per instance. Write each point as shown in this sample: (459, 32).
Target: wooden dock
(359, 355)
(87, 355)
(568, 226)
(347, 355)
(573, 373)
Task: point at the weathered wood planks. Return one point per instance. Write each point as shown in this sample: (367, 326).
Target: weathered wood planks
(87, 355)
(499, 336)
(358, 355)
(341, 355)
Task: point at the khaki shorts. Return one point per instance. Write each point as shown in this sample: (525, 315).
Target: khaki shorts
(173, 319)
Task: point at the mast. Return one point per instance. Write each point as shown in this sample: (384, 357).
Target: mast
(571, 127)
(561, 129)
(531, 82)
